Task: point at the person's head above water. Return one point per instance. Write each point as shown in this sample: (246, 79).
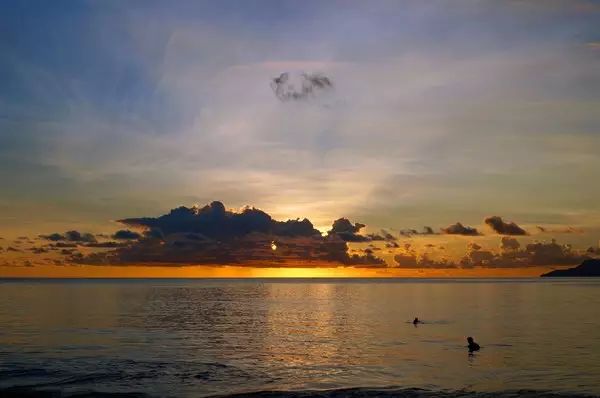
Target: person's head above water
(416, 320)
(473, 346)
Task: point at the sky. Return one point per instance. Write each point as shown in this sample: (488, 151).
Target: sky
(468, 131)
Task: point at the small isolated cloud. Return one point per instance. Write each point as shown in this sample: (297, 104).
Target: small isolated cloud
(71, 236)
(347, 231)
(55, 237)
(411, 232)
(383, 236)
(294, 87)
(76, 236)
(504, 228)
(459, 229)
(565, 230)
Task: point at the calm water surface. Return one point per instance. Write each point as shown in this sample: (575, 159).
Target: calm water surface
(191, 338)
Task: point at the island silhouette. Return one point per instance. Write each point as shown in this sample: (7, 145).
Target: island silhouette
(589, 267)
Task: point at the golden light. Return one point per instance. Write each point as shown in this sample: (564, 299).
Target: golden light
(273, 246)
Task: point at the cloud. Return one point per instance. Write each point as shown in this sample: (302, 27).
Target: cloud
(348, 232)
(217, 236)
(125, 234)
(459, 229)
(292, 87)
(410, 232)
(53, 237)
(62, 244)
(413, 261)
(552, 254)
(382, 236)
(534, 254)
(105, 245)
(473, 246)
(215, 222)
(593, 251)
(76, 236)
(409, 259)
(566, 230)
(508, 243)
(510, 255)
(504, 228)
(71, 236)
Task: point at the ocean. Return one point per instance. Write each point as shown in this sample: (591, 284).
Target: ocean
(299, 337)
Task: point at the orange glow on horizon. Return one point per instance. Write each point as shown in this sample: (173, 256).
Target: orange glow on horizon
(51, 271)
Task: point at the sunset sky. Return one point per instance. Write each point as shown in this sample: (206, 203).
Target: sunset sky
(455, 139)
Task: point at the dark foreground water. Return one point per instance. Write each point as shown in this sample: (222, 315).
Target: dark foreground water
(299, 338)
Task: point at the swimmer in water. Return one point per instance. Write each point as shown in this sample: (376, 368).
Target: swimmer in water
(473, 346)
(416, 321)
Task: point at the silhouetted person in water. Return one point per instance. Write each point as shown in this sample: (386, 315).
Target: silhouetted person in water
(473, 346)
(416, 321)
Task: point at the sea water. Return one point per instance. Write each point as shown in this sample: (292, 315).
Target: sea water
(300, 337)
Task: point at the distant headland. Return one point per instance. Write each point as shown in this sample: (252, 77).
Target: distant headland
(589, 267)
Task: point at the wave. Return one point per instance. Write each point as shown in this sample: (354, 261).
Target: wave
(387, 392)
(397, 392)
(28, 392)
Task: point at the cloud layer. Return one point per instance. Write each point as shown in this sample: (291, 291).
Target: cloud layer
(214, 235)
(509, 255)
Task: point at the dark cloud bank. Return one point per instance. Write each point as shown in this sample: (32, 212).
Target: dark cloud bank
(214, 235)
(217, 236)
